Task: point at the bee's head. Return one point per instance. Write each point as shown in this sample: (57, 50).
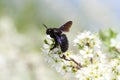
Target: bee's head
(49, 31)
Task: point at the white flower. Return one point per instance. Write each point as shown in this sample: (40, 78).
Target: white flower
(90, 63)
(86, 52)
(88, 39)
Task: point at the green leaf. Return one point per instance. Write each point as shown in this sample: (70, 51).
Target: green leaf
(112, 33)
(80, 46)
(107, 35)
(46, 42)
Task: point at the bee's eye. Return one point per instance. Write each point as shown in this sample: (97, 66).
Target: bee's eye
(48, 31)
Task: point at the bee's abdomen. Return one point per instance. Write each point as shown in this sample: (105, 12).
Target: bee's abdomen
(64, 43)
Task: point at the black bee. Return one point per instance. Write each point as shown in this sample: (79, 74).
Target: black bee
(60, 38)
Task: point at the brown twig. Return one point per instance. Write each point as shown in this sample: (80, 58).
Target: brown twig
(71, 59)
(116, 50)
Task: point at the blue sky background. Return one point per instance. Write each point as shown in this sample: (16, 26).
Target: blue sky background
(86, 14)
(89, 14)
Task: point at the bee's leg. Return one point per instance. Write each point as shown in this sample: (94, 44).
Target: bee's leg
(55, 45)
(57, 41)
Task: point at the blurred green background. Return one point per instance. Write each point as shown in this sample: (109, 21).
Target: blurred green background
(22, 32)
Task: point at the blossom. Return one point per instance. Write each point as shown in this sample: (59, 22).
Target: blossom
(89, 47)
(90, 63)
(62, 62)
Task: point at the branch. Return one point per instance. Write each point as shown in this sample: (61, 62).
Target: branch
(116, 50)
(71, 59)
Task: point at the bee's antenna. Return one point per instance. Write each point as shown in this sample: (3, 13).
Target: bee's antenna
(45, 26)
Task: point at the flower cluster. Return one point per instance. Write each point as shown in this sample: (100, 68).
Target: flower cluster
(63, 62)
(100, 71)
(91, 57)
(90, 63)
(89, 47)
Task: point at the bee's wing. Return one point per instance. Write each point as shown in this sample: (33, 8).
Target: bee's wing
(66, 26)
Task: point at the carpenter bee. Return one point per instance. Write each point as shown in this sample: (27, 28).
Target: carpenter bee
(59, 38)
